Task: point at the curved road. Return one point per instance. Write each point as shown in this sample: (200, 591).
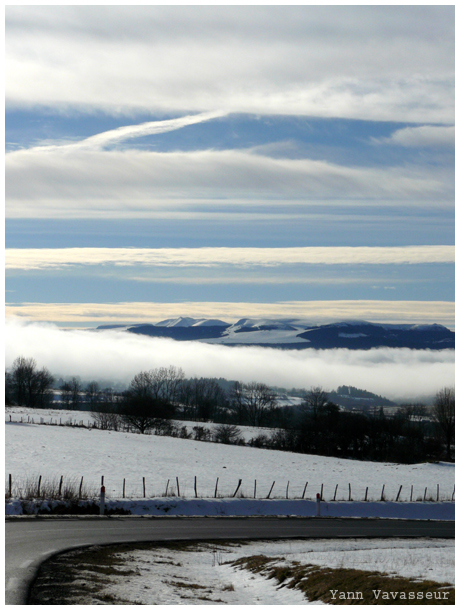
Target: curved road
(29, 541)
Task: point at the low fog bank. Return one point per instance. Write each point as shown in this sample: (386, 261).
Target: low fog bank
(397, 374)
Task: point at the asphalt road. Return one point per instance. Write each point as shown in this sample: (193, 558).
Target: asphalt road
(30, 541)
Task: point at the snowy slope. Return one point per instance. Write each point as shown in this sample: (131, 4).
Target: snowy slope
(53, 451)
(257, 337)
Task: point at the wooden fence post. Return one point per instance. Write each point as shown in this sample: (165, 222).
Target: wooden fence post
(81, 485)
(335, 492)
(424, 495)
(365, 495)
(349, 492)
(437, 494)
(287, 491)
(124, 487)
(239, 485)
(10, 483)
(397, 497)
(321, 496)
(60, 485)
(196, 494)
(383, 491)
(255, 487)
(273, 485)
(215, 491)
(143, 485)
(39, 483)
(453, 494)
(178, 489)
(411, 492)
(304, 490)
(167, 485)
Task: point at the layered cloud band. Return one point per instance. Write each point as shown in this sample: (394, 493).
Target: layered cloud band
(47, 258)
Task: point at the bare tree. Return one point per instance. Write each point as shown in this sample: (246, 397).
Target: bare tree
(71, 393)
(201, 397)
(92, 392)
(444, 415)
(105, 418)
(9, 389)
(161, 384)
(253, 402)
(141, 384)
(137, 406)
(315, 400)
(105, 407)
(151, 394)
(174, 379)
(29, 386)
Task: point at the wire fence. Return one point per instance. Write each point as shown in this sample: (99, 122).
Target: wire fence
(75, 488)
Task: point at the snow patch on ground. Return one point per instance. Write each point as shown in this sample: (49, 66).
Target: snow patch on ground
(202, 574)
(198, 578)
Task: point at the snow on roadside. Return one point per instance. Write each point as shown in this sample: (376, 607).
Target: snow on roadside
(241, 507)
(202, 574)
(165, 576)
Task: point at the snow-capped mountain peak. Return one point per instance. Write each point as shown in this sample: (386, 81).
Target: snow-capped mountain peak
(289, 333)
(178, 322)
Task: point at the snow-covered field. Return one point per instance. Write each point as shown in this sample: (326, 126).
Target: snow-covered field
(64, 417)
(204, 576)
(52, 451)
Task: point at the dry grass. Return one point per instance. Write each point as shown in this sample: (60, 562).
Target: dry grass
(78, 577)
(32, 488)
(317, 582)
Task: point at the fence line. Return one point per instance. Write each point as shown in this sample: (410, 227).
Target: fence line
(72, 488)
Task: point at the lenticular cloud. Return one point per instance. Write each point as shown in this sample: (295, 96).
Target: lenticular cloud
(117, 355)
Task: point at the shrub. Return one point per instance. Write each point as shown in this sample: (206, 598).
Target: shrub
(228, 434)
(200, 433)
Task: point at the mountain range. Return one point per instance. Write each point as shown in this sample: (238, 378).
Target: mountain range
(297, 334)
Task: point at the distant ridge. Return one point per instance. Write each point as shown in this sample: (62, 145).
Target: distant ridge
(297, 334)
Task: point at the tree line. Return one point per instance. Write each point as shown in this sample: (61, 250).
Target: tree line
(317, 426)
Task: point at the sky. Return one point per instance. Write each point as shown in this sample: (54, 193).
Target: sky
(229, 162)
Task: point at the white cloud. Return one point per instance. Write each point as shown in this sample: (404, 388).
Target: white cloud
(116, 355)
(425, 136)
(413, 312)
(261, 280)
(68, 182)
(51, 258)
(367, 62)
(115, 136)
